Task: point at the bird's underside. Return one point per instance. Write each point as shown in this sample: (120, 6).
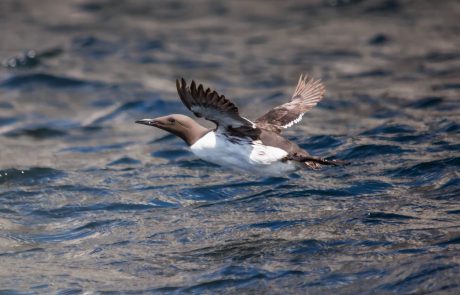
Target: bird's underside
(208, 104)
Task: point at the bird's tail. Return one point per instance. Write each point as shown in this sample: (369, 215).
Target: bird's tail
(315, 163)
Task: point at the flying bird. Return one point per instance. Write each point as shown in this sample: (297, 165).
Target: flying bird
(241, 144)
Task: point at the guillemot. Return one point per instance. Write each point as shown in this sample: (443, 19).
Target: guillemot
(237, 142)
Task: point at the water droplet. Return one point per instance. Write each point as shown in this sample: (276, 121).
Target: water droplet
(31, 54)
(12, 62)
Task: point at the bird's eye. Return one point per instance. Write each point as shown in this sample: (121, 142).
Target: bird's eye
(171, 120)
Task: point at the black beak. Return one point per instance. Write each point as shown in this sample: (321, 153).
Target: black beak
(148, 122)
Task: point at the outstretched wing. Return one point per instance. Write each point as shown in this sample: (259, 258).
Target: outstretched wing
(306, 95)
(211, 106)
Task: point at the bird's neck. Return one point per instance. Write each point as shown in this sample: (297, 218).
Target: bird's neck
(194, 134)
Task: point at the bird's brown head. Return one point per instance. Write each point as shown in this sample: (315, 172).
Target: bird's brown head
(180, 125)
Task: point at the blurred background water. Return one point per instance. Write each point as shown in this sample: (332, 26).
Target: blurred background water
(91, 202)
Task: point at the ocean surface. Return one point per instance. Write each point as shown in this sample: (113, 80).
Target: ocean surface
(92, 203)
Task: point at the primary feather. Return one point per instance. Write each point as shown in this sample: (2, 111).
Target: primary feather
(306, 95)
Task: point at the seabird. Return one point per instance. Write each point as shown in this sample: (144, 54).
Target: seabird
(237, 142)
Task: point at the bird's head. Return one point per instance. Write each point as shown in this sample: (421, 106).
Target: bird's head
(180, 125)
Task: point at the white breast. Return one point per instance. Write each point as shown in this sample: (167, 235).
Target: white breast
(252, 157)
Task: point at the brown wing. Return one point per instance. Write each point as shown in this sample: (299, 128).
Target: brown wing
(211, 106)
(306, 95)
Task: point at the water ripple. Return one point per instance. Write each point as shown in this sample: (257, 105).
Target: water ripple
(31, 176)
(47, 80)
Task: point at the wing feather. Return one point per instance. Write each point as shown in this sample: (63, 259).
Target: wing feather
(211, 106)
(306, 95)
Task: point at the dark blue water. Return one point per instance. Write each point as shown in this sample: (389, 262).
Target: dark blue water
(91, 202)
